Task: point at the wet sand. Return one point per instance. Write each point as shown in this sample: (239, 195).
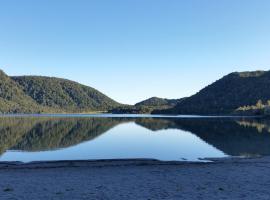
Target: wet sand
(136, 179)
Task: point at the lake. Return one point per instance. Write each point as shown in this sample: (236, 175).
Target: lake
(81, 137)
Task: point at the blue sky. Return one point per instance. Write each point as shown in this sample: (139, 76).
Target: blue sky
(135, 49)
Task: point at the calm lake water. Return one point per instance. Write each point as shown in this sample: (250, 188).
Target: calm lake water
(79, 137)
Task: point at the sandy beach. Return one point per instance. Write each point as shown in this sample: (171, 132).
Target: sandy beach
(137, 179)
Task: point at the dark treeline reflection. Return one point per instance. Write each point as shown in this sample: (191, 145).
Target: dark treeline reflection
(232, 136)
(38, 134)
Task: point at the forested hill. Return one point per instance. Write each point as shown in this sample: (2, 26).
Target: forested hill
(227, 94)
(13, 99)
(36, 94)
(64, 94)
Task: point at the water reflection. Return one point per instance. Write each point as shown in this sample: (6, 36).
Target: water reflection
(230, 136)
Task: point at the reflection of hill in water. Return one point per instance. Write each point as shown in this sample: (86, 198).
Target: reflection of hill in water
(12, 130)
(260, 124)
(155, 124)
(227, 135)
(62, 133)
(36, 134)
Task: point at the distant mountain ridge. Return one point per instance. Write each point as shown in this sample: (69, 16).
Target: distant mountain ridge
(156, 101)
(37, 94)
(147, 106)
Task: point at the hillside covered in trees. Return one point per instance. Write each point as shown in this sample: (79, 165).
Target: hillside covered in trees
(225, 96)
(36, 94)
(14, 100)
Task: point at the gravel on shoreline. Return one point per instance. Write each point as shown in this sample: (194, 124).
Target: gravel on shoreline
(137, 179)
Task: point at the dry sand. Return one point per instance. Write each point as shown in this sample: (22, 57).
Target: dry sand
(136, 179)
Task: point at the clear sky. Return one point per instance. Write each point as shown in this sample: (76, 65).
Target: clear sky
(135, 49)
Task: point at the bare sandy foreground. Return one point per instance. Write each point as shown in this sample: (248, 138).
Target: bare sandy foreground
(137, 179)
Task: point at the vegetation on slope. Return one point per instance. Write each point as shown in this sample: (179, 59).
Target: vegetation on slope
(36, 94)
(14, 100)
(227, 94)
(64, 94)
(259, 109)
